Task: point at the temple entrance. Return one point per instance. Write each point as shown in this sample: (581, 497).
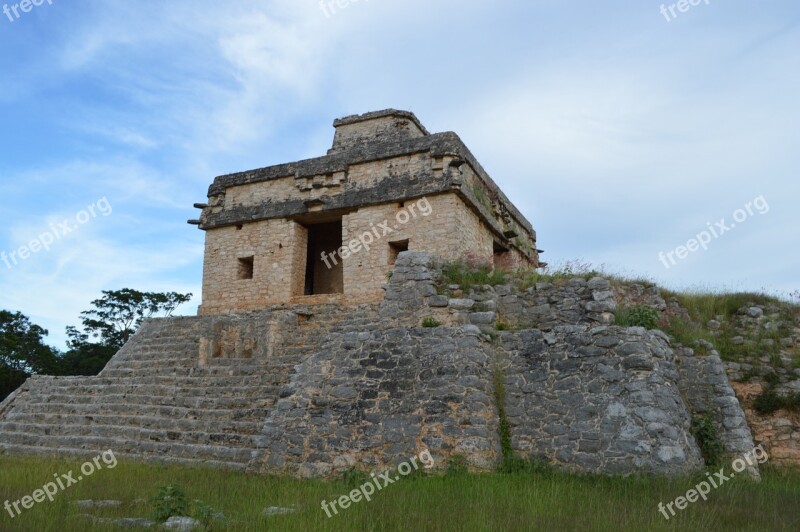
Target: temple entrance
(324, 271)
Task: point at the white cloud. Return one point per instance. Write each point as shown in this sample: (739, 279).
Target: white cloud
(616, 133)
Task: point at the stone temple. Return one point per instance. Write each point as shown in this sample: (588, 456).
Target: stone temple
(309, 358)
(267, 230)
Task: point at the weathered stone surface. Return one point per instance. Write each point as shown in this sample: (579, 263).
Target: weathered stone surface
(755, 312)
(704, 383)
(387, 184)
(461, 304)
(618, 425)
(438, 301)
(277, 510)
(182, 524)
(315, 391)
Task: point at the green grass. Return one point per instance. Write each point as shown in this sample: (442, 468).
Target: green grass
(770, 401)
(638, 316)
(688, 332)
(519, 501)
(554, 274)
(705, 306)
(466, 276)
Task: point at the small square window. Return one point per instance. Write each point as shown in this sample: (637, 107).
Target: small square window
(395, 248)
(245, 268)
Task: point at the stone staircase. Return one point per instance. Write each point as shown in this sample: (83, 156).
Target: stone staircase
(154, 401)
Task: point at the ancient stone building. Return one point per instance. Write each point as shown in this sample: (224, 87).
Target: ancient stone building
(296, 368)
(329, 229)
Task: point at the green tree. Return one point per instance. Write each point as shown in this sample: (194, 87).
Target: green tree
(119, 313)
(22, 351)
(114, 319)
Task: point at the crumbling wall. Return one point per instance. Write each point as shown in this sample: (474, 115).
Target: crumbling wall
(316, 390)
(377, 398)
(707, 391)
(542, 306)
(602, 399)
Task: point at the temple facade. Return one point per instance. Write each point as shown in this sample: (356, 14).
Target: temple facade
(328, 230)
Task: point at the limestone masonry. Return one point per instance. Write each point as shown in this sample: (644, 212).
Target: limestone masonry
(294, 367)
(266, 230)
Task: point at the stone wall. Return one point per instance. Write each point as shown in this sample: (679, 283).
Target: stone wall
(360, 130)
(542, 306)
(360, 176)
(602, 399)
(433, 228)
(372, 399)
(707, 391)
(778, 433)
(278, 251)
(381, 164)
(316, 390)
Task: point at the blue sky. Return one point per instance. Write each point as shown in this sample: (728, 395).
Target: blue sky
(619, 134)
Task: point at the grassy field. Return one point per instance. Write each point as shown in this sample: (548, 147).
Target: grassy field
(522, 501)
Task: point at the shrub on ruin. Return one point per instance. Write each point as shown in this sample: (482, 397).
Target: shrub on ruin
(430, 322)
(770, 401)
(638, 316)
(705, 433)
(466, 274)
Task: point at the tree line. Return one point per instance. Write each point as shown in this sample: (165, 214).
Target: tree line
(104, 329)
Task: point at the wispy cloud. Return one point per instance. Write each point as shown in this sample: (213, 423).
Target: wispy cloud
(615, 132)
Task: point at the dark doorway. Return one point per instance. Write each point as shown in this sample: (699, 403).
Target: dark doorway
(324, 271)
(395, 248)
(501, 258)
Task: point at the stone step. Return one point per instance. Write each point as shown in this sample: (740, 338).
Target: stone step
(158, 390)
(198, 379)
(123, 372)
(167, 406)
(91, 453)
(158, 351)
(128, 366)
(156, 357)
(212, 369)
(162, 346)
(128, 432)
(121, 445)
(153, 363)
(216, 421)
